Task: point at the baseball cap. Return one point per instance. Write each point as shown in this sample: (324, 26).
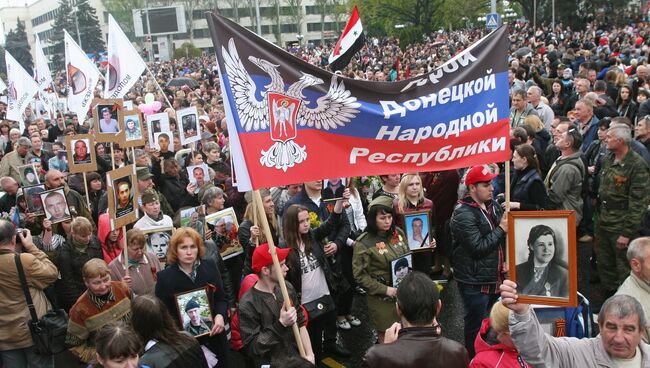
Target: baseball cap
(479, 174)
(262, 256)
(144, 173)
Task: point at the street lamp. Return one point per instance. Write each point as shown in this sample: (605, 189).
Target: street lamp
(299, 37)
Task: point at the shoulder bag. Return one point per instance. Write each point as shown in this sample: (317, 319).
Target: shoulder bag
(49, 332)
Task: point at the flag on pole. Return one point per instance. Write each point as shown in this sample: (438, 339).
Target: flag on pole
(124, 65)
(291, 122)
(350, 42)
(43, 76)
(21, 89)
(82, 78)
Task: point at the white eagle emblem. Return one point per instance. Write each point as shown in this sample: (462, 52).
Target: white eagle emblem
(284, 107)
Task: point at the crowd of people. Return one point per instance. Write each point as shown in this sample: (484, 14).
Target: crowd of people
(580, 135)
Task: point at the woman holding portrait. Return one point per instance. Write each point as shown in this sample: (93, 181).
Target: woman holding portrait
(544, 273)
(374, 250)
(187, 269)
(143, 266)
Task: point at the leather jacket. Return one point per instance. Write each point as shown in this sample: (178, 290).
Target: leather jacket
(417, 347)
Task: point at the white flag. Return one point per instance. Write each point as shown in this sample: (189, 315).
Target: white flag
(21, 89)
(3, 86)
(42, 72)
(124, 63)
(82, 78)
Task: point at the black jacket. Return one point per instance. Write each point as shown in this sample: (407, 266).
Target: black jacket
(476, 238)
(70, 261)
(172, 280)
(294, 275)
(244, 236)
(174, 189)
(162, 355)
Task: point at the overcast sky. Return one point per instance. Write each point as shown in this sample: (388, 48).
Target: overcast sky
(16, 2)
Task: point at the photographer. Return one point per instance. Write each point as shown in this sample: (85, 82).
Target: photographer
(16, 345)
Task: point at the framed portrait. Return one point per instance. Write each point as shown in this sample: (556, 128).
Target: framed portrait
(33, 199)
(542, 256)
(156, 123)
(133, 128)
(81, 153)
(122, 188)
(400, 267)
(198, 175)
(333, 189)
(188, 124)
(127, 105)
(28, 175)
(195, 311)
(163, 141)
(225, 223)
(55, 205)
(107, 113)
(62, 104)
(158, 240)
(193, 217)
(418, 229)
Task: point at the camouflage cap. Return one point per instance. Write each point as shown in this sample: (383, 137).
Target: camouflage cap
(149, 196)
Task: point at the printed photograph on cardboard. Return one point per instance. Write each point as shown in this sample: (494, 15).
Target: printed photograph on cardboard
(55, 205)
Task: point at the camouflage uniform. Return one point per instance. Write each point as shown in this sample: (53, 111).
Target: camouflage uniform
(623, 195)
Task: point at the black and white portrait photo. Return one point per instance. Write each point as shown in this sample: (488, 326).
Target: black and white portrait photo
(189, 125)
(541, 251)
(157, 241)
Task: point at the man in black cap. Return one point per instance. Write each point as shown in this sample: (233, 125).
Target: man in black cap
(197, 325)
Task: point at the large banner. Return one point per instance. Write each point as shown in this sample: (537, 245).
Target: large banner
(291, 122)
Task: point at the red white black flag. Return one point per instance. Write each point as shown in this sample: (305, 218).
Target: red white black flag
(349, 43)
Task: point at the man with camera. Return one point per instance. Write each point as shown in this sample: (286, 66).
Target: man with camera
(16, 345)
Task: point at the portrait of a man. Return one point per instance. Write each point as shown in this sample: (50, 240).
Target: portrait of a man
(401, 267)
(189, 125)
(417, 229)
(33, 197)
(157, 243)
(29, 175)
(108, 119)
(544, 272)
(123, 196)
(81, 153)
(198, 175)
(197, 324)
(163, 142)
(132, 127)
(56, 206)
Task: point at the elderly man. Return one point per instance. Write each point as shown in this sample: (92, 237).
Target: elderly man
(638, 283)
(564, 178)
(520, 109)
(18, 157)
(543, 110)
(621, 321)
(10, 186)
(623, 195)
(587, 122)
(416, 340)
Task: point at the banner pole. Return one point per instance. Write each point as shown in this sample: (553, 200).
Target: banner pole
(112, 157)
(507, 197)
(161, 90)
(257, 200)
(125, 250)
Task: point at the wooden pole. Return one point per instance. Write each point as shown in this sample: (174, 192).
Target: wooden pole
(257, 200)
(125, 251)
(507, 197)
(87, 190)
(112, 157)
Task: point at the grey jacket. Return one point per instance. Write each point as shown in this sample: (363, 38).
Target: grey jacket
(542, 350)
(564, 184)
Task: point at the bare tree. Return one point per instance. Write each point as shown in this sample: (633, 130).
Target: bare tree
(296, 14)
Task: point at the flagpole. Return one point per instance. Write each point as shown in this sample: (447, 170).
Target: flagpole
(257, 200)
(507, 195)
(160, 88)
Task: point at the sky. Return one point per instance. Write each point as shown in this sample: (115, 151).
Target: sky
(15, 2)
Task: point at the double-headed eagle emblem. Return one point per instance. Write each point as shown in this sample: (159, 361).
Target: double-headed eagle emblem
(283, 108)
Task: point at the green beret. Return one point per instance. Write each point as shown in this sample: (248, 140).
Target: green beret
(149, 196)
(382, 200)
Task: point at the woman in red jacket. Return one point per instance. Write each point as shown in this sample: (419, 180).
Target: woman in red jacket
(493, 345)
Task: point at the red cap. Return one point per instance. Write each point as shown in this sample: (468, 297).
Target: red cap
(478, 174)
(262, 256)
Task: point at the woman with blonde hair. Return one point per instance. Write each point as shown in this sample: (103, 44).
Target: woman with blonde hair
(410, 198)
(493, 345)
(187, 269)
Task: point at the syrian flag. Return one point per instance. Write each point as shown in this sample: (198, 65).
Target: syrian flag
(124, 65)
(350, 42)
(82, 77)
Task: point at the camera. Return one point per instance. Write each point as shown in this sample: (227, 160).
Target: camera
(19, 231)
